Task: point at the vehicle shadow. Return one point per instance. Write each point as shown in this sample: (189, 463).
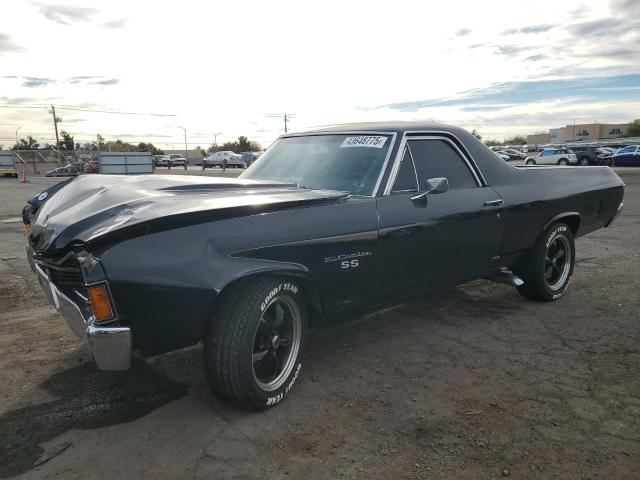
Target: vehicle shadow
(86, 398)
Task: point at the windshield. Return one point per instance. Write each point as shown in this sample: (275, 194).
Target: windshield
(349, 163)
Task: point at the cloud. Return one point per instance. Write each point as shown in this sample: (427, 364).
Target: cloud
(530, 29)
(110, 81)
(604, 27)
(7, 45)
(536, 58)
(20, 100)
(115, 23)
(511, 50)
(31, 82)
(462, 32)
(92, 80)
(66, 14)
(620, 87)
(81, 78)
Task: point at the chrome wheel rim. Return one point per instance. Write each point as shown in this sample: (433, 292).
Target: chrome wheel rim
(276, 343)
(557, 262)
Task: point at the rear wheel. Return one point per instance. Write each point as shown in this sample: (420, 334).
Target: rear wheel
(530, 161)
(547, 271)
(254, 347)
(563, 161)
(584, 162)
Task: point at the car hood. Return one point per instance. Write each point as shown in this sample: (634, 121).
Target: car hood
(95, 208)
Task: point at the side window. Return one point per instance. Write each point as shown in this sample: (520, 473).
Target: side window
(438, 158)
(406, 179)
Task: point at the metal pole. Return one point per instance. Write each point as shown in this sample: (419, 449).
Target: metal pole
(185, 147)
(17, 137)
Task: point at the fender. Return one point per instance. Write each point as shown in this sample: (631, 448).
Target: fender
(561, 216)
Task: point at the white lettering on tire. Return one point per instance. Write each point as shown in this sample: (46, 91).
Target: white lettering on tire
(278, 398)
(283, 287)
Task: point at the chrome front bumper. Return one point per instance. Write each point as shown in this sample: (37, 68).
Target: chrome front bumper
(110, 347)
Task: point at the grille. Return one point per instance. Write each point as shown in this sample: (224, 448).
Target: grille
(66, 277)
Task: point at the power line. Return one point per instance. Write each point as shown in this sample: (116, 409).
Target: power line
(83, 109)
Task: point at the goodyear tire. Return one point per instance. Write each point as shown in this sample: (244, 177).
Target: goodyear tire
(547, 271)
(254, 347)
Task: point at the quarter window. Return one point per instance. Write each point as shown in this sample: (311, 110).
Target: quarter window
(438, 158)
(406, 180)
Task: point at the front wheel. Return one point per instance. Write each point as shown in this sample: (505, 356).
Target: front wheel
(563, 162)
(584, 162)
(530, 161)
(547, 271)
(253, 349)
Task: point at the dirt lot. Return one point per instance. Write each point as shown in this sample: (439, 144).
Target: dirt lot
(469, 384)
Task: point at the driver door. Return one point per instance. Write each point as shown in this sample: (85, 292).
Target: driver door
(445, 238)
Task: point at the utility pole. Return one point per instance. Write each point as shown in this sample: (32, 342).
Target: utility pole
(55, 125)
(286, 116)
(185, 147)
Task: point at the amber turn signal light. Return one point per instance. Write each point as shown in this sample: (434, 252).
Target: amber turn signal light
(100, 303)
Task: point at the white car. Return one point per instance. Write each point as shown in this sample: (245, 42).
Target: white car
(553, 156)
(217, 159)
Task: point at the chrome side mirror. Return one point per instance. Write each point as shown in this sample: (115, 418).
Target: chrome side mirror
(434, 186)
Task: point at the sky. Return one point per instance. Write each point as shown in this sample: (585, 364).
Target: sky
(231, 67)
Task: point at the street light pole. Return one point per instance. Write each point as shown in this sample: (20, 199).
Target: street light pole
(17, 137)
(185, 146)
(574, 130)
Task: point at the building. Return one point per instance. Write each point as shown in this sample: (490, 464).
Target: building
(556, 135)
(594, 131)
(538, 139)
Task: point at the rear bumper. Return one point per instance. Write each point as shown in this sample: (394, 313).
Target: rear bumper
(109, 346)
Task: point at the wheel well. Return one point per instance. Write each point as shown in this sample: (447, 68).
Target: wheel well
(309, 290)
(571, 219)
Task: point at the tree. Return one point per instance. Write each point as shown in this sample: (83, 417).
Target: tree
(492, 143)
(28, 144)
(243, 144)
(634, 129)
(1, 147)
(149, 147)
(67, 142)
(517, 140)
(475, 133)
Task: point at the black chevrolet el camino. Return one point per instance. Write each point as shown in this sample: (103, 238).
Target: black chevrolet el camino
(326, 225)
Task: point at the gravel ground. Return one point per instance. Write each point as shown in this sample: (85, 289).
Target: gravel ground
(471, 383)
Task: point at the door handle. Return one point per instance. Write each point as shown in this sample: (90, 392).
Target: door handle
(494, 203)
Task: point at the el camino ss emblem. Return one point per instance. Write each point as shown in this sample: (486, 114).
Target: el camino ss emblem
(348, 260)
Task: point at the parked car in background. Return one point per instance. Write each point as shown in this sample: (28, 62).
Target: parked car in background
(513, 154)
(249, 157)
(177, 160)
(553, 156)
(627, 156)
(503, 155)
(161, 160)
(217, 160)
(588, 154)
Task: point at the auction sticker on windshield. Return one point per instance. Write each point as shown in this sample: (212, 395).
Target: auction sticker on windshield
(365, 141)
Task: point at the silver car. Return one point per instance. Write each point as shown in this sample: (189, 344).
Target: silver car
(217, 160)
